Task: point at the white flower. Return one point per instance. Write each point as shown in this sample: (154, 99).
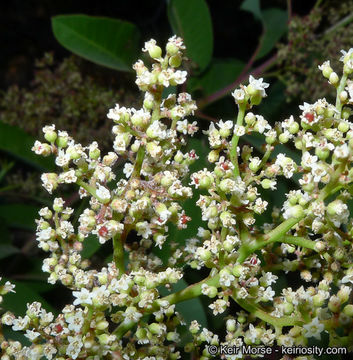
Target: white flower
(75, 345)
(83, 297)
(131, 314)
(32, 334)
(218, 306)
(314, 329)
(103, 193)
(128, 169)
(75, 321)
(258, 84)
(341, 152)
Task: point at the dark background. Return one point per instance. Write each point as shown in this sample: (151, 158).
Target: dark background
(25, 28)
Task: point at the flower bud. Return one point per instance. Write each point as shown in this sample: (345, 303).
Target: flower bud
(334, 79)
(334, 304)
(50, 136)
(175, 61)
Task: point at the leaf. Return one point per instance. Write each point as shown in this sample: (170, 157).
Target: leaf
(275, 25)
(252, 6)
(192, 21)
(16, 302)
(220, 74)
(18, 143)
(7, 250)
(90, 246)
(274, 22)
(19, 215)
(109, 42)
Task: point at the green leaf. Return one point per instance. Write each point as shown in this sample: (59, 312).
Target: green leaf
(275, 25)
(109, 42)
(192, 21)
(90, 246)
(16, 302)
(220, 74)
(18, 143)
(274, 22)
(7, 250)
(252, 6)
(19, 215)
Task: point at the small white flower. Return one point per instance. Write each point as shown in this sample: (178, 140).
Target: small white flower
(258, 84)
(314, 329)
(83, 297)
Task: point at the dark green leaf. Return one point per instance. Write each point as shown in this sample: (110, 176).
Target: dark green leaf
(16, 302)
(220, 74)
(18, 143)
(192, 21)
(252, 6)
(109, 42)
(274, 22)
(90, 246)
(275, 25)
(19, 215)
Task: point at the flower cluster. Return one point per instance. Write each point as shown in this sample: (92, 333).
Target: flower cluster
(310, 235)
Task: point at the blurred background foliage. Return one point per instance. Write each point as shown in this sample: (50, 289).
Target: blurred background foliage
(42, 82)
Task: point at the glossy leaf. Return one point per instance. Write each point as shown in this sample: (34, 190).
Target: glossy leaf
(275, 25)
(16, 142)
(19, 215)
(192, 21)
(274, 22)
(16, 302)
(252, 6)
(109, 42)
(220, 74)
(90, 246)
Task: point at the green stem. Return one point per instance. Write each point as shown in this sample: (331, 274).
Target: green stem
(138, 163)
(188, 293)
(91, 190)
(255, 309)
(274, 235)
(87, 321)
(118, 252)
(235, 140)
(339, 90)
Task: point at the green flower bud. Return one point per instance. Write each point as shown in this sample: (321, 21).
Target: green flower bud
(250, 119)
(62, 141)
(237, 270)
(155, 52)
(283, 138)
(322, 154)
(294, 128)
(348, 310)
(343, 126)
(205, 254)
(213, 156)
(94, 154)
(175, 61)
(50, 136)
(171, 49)
(334, 304)
(334, 79)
